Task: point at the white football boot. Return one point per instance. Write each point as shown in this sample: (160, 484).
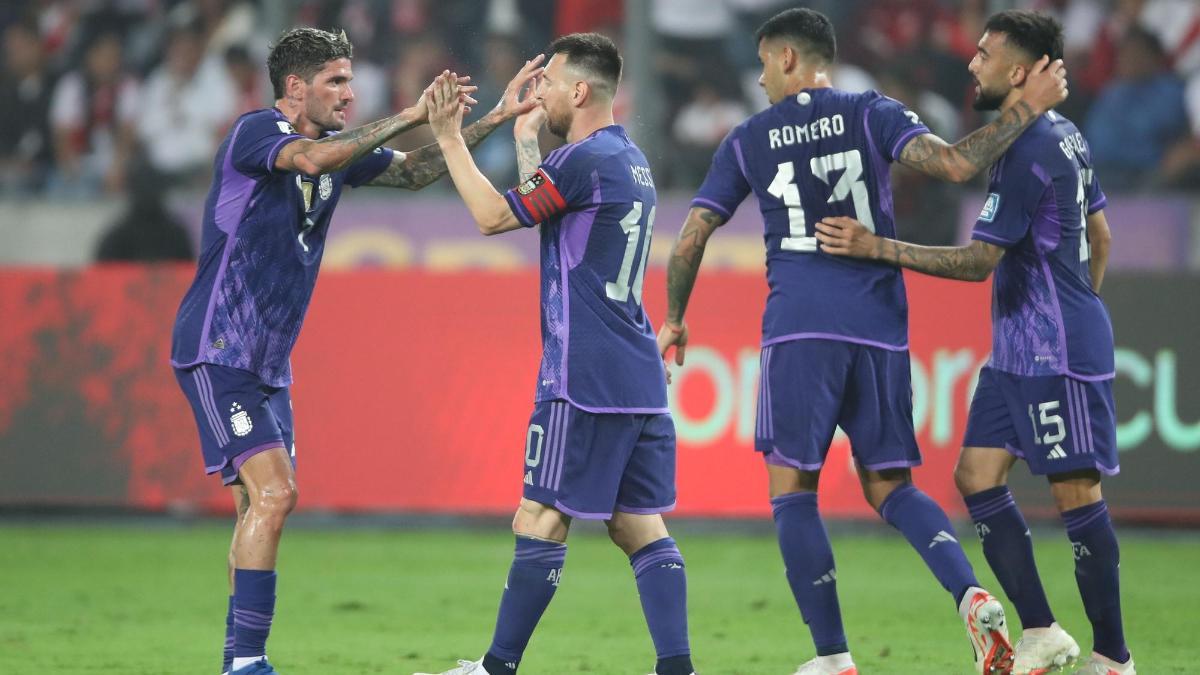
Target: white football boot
(834, 664)
(1099, 664)
(463, 668)
(1044, 650)
(988, 632)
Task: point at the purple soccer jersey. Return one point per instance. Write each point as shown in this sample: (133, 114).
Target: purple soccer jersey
(1046, 319)
(261, 243)
(823, 152)
(595, 201)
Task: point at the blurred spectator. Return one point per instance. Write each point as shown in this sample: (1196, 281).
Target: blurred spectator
(698, 129)
(26, 146)
(249, 80)
(146, 231)
(92, 114)
(1129, 148)
(1176, 23)
(186, 106)
(925, 209)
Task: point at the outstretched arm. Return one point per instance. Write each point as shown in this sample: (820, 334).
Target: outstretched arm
(1045, 87)
(414, 170)
(684, 264)
(848, 237)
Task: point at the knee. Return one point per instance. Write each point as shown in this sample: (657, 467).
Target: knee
(276, 500)
(631, 533)
(538, 520)
(970, 480)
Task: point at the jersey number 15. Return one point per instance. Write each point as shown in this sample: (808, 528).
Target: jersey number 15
(850, 184)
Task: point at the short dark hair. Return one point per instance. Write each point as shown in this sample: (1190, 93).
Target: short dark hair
(594, 54)
(806, 29)
(1034, 33)
(303, 52)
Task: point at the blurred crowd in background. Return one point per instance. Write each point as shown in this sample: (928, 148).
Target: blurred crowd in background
(121, 97)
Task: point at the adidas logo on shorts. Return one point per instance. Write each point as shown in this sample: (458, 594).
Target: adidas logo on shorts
(1056, 452)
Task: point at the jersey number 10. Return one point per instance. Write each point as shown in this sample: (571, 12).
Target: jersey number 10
(631, 224)
(849, 185)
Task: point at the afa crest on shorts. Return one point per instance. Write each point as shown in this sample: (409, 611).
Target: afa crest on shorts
(239, 421)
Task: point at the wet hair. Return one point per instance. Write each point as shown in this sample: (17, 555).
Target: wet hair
(304, 52)
(1033, 33)
(809, 31)
(593, 54)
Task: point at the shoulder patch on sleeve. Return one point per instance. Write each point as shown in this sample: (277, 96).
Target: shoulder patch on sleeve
(285, 127)
(990, 207)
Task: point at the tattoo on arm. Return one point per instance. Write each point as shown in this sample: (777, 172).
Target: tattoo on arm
(973, 262)
(529, 156)
(426, 164)
(977, 151)
(334, 153)
(685, 259)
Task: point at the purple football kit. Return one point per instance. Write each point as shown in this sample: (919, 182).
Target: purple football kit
(262, 239)
(600, 438)
(1046, 392)
(835, 330)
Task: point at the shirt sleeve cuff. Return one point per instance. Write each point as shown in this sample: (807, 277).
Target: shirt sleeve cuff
(1097, 205)
(991, 239)
(898, 146)
(518, 209)
(274, 152)
(712, 206)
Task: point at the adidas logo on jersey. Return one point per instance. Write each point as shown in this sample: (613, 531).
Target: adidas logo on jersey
(1056, 452)
(529, 478)
(942, 536)
(827, 578)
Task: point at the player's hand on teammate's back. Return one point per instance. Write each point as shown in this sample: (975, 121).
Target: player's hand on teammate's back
(1046, 84)
(669, 336)
(844, 236)
(525, 82)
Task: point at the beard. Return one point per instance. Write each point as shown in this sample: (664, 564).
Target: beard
(988, 100)
(326, 119)
(558, 125)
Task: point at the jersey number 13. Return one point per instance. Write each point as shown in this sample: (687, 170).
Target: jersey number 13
(850, 184)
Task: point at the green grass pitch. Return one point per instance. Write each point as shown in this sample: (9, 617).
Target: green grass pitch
(137, 599)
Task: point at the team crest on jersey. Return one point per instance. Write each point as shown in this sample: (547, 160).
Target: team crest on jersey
(239, 421)
(285, 127)
(532, 184)
(326, 186)
(990, 207)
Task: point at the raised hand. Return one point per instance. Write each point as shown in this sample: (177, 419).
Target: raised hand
(520, 96)
(463, 83)
(530, 123)
(1046, 84)
(445, 106)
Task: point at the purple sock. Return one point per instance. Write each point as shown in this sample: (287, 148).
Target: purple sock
(925, 525)
(536, 569)
(662, 586)
(227, 656)
(1097, 559)
(254, 608)
(1008, 547)
(808, 558)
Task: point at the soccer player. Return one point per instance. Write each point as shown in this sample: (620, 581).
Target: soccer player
(277, 178)
(1046, 393)
(835, 331)
(600, 443)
